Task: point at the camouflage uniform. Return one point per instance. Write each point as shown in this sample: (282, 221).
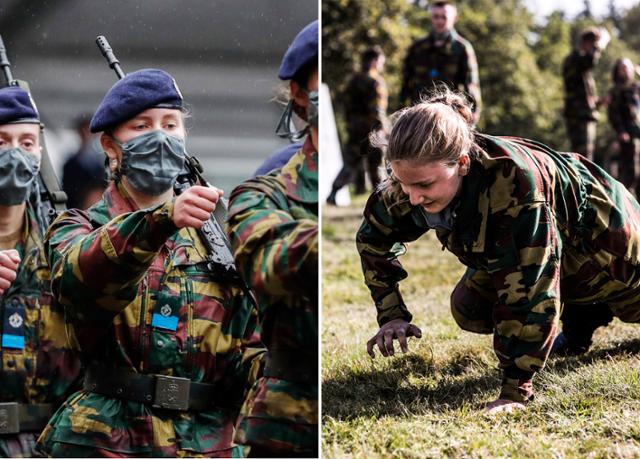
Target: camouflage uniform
(453, 63)
(38, 365)
(139, 295)
(538, 230)
(273, 227)
(366, 109)
(580, 101)
(624, 116)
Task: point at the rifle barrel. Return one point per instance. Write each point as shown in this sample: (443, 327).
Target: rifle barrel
(5, 64)
(108, 54)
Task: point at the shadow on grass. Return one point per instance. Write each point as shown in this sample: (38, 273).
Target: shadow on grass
(564, 364)
(412, 384)
(409, 383)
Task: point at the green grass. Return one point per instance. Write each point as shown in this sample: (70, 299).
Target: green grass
(429, 402)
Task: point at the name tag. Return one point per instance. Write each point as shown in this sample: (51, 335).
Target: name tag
(166, 322)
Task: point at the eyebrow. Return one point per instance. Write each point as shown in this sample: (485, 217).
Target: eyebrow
(423, 182)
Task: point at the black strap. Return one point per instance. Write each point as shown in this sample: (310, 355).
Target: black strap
(288, 365)
(125, 384)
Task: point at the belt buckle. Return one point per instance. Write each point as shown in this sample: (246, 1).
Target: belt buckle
(172, 393)
(9, 418)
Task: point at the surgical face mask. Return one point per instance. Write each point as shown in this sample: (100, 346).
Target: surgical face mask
(152, 162)
(285, 126)
(312, 110)
(18, 174)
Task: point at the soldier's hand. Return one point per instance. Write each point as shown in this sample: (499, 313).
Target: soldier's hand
(9, 261)
(503, 405)
(394, 329)
(193, 207)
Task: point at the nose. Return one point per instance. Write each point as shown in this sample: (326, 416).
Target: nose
(415, 197)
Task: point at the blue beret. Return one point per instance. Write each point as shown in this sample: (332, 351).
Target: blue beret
(17, 106)
(303, 49)
(135, 93)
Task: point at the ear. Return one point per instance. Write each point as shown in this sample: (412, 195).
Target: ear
(464, 164)
(110, 148)
(298, 94)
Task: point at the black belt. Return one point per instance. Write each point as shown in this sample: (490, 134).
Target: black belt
(159, 391)
(24, 417)
(292, 366)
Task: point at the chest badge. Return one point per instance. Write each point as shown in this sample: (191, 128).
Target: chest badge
(15, 320)
(165, 310)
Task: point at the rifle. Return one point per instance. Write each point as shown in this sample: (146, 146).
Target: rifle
(52, 199)
(218, 247)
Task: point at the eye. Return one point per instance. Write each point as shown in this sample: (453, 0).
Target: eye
(28, 144)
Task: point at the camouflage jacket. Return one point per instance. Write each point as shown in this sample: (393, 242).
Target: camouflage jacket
(454, 64)
(138, 294)
(365, 102)
(38, 363)
(624, 108)
(546, 226)
(580, 98)
(273, 227)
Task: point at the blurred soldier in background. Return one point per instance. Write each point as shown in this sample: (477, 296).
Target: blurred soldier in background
(443, 56)
(38, 368)
(365, 110)
(581, 101)
(624, 116)
(273, 227)
(83, 175)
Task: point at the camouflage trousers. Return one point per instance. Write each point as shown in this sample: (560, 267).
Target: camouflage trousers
(474, 298)
(582, 135)
(20, 445)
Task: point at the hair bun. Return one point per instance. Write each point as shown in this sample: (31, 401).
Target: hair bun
(456, 101)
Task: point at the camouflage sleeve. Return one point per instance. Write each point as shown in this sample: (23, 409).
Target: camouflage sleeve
(471, 78)
(525, 269)
(96, 270)
(379, 233)
(275, 252)
(246, 367)
(614, 113)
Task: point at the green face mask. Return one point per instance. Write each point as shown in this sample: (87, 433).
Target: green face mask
(18, 174)
(152, 162)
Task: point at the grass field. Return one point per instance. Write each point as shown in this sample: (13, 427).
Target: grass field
(429, 402)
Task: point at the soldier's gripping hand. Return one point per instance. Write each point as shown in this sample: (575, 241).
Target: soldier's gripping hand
(394, 329)
(193, 207)
(9, 261)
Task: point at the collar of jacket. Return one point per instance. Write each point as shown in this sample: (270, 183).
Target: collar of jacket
(472, 211)
(300, 174)
(118, 200)
(453, 35)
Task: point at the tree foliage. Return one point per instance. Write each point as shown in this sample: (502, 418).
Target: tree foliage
(520, 61)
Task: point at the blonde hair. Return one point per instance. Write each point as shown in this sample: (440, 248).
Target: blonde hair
(439, 128)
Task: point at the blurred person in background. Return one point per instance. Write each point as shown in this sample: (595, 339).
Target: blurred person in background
(39, 367)
(581, 100)
(273, 227)
(443, 56)
(624, 116)
(83, 174)
(365, 105)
